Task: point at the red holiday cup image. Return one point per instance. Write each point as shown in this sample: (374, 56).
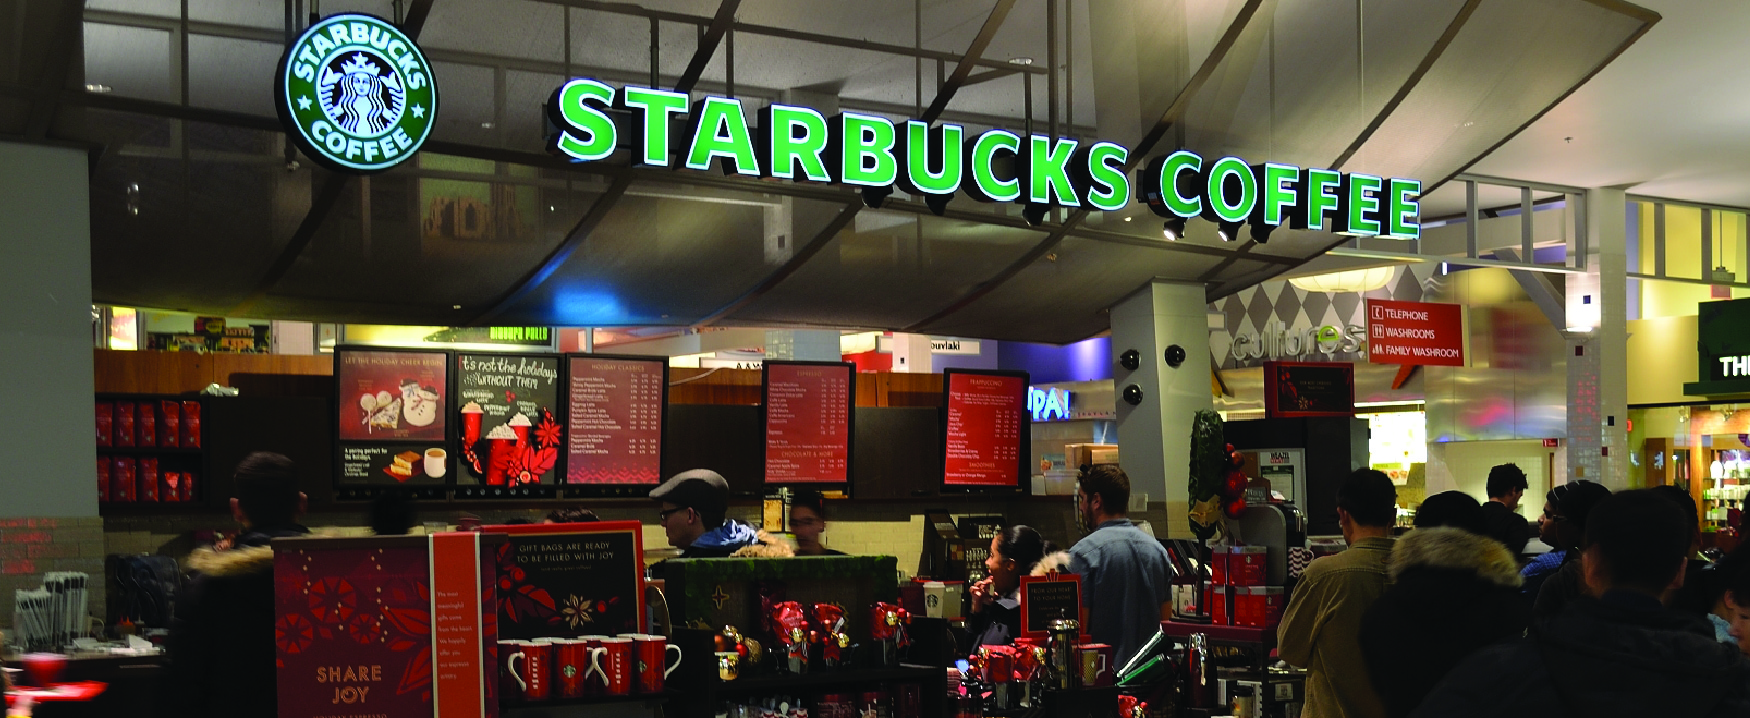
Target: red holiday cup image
(519, 425)
(471, 413)
(616, 663)
(653, 665)
(500, 454)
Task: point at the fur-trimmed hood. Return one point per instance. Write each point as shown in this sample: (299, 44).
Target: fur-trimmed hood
(1454, 549)
(1057, 562)
(232, 562)
(765, 545)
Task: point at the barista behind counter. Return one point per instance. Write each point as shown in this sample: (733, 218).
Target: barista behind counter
(996, 601)
(695, 505)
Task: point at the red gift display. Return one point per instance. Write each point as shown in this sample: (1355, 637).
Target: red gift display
(147, 425)
(830, 633)
(105, 424)
(103, 478)
(124, 423)
(1259, 606)
(1218, 565)
(169, 423)
(191, 424)
(185, 492)
(790, 624)
(147, 475)
(1246, 565)
(170, 486)
(121, 478)
(1219, 599)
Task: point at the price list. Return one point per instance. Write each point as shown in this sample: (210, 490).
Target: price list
(984, 429)
(615, 422)
(808, 423)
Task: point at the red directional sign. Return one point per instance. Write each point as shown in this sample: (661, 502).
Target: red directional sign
(1420, 333)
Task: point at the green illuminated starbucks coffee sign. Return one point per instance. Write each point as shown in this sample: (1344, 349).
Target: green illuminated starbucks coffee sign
(356, 93)
(850, 148)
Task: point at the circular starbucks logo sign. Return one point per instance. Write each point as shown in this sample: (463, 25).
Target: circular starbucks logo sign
(356, 93)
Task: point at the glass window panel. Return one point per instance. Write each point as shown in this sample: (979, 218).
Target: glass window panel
(131, 61)
(232, 74)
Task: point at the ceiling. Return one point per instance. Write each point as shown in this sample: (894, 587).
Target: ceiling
(196, 207)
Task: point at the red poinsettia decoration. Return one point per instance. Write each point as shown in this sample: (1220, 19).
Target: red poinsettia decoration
(293, 633)
(529, 464)
(332, 600)
(409, 613)
(521, 601)
(547, 432)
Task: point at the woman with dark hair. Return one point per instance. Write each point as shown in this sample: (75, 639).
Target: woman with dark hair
(808, 522)
(1729, 588)
(996, 601)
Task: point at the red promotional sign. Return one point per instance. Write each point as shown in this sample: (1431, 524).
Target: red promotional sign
(456, 626)
(984, 429)
(808, 422)
(1420, 333)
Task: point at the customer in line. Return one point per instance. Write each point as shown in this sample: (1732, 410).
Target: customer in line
(1452, 592)
(1563, 527)
(1694, 595)
(1620, 654)
(694, 508)
(996, 600)
(1123, 570)
(808, 522)
(1321, 627)
(1501, 519)
(570, 515)
(1727, 583)
(222, 636)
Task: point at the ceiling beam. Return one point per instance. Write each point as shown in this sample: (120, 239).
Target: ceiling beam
(1263, 274)
(560, 254)
(414, 22)
(945, 93)
(1385, 112)
(708, 45)
(58, 61)
(795, 262)
(1174, 112)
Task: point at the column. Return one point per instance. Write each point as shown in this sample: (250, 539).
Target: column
(48, 518)
(1154, 436)
(911, 354)
(1597, 311)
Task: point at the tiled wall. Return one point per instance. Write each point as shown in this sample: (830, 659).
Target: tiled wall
(31, 547)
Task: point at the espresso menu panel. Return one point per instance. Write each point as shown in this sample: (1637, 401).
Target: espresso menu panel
(808, 423)
(984, 429)
(615, 420)
(509, 430)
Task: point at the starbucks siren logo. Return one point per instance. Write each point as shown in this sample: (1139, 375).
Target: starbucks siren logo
(356, 93)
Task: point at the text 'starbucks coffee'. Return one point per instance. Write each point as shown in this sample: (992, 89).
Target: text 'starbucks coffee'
(356, 93)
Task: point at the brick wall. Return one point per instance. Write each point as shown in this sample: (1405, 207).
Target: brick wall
(31, 547)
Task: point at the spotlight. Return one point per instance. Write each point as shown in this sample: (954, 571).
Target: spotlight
(1174, 229)
(1261, 232)
(1034, 213)
(1228, 231)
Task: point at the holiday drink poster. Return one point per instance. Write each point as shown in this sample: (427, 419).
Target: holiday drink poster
(500, 387)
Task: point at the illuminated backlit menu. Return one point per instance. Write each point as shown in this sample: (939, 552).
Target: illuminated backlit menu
(615, 420)
(808, 423)
(984, 429)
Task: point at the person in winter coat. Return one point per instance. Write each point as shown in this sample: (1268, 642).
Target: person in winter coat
(694, 505)
(996, 600)
(1622, 653)
(222, 635)
(1563, 526)
(1453, 592)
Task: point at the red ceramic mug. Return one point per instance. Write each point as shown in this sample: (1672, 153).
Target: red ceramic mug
(653, 666)
(616, 666)
(534, 682)
(571, 666)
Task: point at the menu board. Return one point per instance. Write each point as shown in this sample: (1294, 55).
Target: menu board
(509, 433)
(614, 419)
(986, 421)
(393, 407)
(808, 422)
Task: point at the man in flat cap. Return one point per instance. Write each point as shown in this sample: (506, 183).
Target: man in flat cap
(694, 504)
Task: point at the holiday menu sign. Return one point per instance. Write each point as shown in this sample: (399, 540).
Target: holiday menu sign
(615, 420)
(509, 433)
(386, 627)
(1422, 333)
(566, 580)
(985, 427)
(808, 422)
(392, 426)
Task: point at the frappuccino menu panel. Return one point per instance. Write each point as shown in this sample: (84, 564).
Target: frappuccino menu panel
(615, 414)
(509, 418)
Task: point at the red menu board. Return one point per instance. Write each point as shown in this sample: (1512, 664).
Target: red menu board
(615, 420)
(985, 424)
(808, 422)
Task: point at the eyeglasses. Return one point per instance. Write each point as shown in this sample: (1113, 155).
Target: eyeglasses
(667, 513)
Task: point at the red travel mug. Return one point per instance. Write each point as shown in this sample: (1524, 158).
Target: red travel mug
(616, 666)
(653, 665)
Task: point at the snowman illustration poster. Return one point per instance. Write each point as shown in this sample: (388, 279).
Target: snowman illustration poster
(391, 395)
